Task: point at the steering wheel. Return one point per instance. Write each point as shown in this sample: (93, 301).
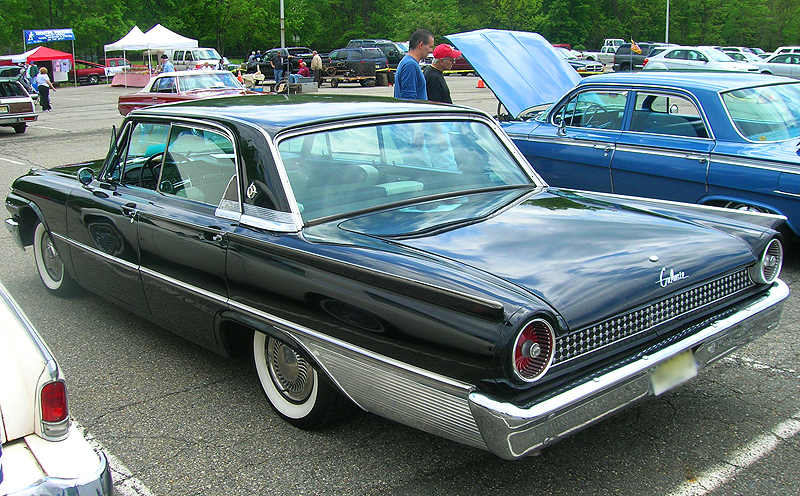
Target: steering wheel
(151, 166)
(597, 116)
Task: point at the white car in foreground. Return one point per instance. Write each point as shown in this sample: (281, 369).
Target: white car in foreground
(42, 454)
(690, 58)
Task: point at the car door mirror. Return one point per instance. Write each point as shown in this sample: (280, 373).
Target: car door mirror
(562, 127)
(85, 176)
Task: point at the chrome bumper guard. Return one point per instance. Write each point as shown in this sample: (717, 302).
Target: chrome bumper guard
(13, 228)
(511, 432)
(97, 484)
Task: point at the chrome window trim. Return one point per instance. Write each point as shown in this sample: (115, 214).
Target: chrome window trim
(662, 152)
(683, 94)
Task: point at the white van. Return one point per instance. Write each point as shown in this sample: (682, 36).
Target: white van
(194, 58)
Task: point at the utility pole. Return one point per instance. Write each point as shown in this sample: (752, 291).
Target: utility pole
(283, 28)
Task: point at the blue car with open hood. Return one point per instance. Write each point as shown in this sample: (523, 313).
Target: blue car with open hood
(403, 258)
(713, 138)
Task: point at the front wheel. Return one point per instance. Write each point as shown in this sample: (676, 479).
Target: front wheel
(94, 79)
(49, 264)
(294, 388)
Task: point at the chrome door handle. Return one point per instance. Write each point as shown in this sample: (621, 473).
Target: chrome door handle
(129, 210)
(700, 158)
(217, 238)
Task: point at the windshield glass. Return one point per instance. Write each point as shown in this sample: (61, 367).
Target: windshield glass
(566, 53)
(765, 113)
(340, 171)
(719, 56)
(209, 81)
(206, 54)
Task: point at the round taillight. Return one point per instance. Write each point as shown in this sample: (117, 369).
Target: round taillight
(533, 350)
(768, 268)
(54, 402)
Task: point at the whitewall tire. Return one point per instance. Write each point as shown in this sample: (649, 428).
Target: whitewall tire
(49, 264)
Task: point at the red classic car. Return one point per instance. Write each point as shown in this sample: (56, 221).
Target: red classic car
(177, 86)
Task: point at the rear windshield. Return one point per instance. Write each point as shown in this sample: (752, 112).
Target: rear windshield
(12, 88)
(765, 113)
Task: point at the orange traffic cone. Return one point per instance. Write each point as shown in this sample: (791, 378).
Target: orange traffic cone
(480, 83)
(239, 77)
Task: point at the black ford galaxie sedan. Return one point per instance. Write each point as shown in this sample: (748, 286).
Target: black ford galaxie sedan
(402, 257)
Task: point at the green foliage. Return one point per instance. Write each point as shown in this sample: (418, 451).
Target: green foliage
(235, 27)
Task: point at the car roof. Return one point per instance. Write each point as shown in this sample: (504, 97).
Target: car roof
(275, 113)
(693, 81)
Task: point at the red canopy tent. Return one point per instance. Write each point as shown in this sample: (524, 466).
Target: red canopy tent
(44, 53)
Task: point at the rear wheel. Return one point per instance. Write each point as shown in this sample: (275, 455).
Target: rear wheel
(294, 387)
(94, 79)
(20, 128)
(334, 82)
(49, 264)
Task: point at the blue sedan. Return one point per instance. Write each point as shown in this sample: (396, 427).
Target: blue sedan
(727, 140)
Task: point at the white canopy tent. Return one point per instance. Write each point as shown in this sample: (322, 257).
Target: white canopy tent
(157, 38)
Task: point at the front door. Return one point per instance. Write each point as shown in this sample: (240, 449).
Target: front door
(576, 149)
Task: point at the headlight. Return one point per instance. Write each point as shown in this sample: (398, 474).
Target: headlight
(768, 268)
(533, 350)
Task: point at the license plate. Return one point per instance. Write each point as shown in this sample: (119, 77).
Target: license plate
(674, 371)
(3, 109)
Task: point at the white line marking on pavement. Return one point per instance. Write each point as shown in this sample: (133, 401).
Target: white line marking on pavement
(125, 484)
(12, 161)
(742, 458)
(52, 128)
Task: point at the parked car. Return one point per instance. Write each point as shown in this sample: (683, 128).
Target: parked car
(369, 258)
(721, 139)
(605, 55)
(91, 73)
(690, 58)
(782, 64)
(16, 105)
(177, 86)
(582, 67)
(40, 452)
(627, 60)
(195, 58)
(787, 49)
(351, 62)
(291, 60)
(393, 51)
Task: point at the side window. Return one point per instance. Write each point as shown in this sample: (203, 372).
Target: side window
(164, 85)
(671, 115)
(140, 161)
(675, 54)
(200, 165)
(189, 56)
(594, 109)
(178, 55)
(695, 55)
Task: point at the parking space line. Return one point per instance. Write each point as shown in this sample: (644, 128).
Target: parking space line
(741, 459)
(12, 161)
(52, 128)
(125, 484)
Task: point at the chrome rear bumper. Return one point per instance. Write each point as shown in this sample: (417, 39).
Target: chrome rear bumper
(512, 432)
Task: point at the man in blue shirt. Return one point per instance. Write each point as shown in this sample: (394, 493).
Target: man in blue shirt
(166, 65)
(409, 83)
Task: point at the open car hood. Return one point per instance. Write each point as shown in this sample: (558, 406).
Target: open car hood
(522, 69)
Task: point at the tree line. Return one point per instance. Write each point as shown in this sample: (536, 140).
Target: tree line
(236, 27)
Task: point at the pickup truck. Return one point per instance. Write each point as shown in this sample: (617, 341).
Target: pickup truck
(627, 60)
(605, 55)
(91, 73)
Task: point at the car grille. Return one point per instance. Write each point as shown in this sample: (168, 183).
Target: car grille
(594, 68)
(625, 326)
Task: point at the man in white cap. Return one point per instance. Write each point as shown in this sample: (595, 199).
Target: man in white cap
(443, 58)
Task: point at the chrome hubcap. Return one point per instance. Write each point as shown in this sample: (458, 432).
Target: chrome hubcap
(52, 262)
(291, 373)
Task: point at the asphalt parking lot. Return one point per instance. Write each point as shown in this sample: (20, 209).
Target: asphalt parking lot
(180, 420)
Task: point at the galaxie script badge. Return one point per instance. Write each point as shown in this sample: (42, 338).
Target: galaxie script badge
(666, 279)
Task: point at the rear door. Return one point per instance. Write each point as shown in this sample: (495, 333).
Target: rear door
(665, 151)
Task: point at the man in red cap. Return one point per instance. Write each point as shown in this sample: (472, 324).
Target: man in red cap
(443, 58)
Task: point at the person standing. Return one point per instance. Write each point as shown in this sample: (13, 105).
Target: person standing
(166, 65)
(409, 83)
(316, 68)
(43, 80)
(277, 65)
(443, 58)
